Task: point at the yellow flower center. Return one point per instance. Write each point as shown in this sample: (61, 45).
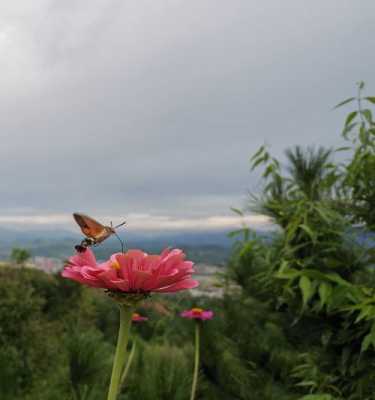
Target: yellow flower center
(197, 310)
(136, 315)
(115, 264)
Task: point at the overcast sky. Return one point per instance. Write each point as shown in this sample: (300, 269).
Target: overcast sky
(149, 110)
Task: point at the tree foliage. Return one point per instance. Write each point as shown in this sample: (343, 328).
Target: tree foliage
(315, 274)
(19, 255)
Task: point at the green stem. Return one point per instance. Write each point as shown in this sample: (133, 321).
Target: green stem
(119, 360)
(196, 360)
(128, 363)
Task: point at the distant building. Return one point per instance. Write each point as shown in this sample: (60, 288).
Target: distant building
(209, 283)
(47, 264)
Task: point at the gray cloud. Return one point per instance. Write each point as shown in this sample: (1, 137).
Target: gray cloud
(154, 107)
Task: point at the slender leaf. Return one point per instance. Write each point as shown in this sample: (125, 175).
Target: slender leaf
(325, 291)
(367, 114)
(258, 153)
(350, 99)
(307, 289)
(237, 211)
(350, 117)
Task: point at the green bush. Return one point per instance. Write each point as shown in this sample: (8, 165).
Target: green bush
(160, 372)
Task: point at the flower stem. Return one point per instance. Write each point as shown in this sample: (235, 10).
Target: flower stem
(128, 363)
(119, 360)
(196, 360)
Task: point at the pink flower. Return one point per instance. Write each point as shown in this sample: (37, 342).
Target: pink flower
(138, 318)
(133, 271)
(197, 313)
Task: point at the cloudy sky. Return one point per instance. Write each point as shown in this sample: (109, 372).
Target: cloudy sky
(149, 110)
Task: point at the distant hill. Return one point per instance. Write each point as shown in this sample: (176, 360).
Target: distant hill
(202, 246)
(209, 246)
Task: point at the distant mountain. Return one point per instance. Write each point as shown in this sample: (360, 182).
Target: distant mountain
(14, 235)
(207, 246)
(210, 246)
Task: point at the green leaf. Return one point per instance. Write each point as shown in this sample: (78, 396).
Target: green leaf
(287, 274)
(243, 231)
(369, 339)
(345, 148)
(334, 277)
(350, 99)
(308, 230)
(348, 129)
(268, 170)
(237, 211)
(368, 115)
(370, 99)
(234, 233)
(363, 134)
(324, 214)
(325, 291)
(276, 163)
(258, 153)
(257, 162)
(307, 289)
(367, 342)
(350, 117)
(366, 311)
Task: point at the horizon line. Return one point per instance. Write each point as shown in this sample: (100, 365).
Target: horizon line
(139, 222)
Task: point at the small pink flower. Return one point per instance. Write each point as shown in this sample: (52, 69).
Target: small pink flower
(138, 318)
(197, 313)
(133, 271)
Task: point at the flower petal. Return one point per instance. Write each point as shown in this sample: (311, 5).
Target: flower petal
(182, 285)
(85, 257)
(133, 271)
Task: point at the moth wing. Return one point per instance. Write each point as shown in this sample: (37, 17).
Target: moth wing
(107, 231)
(89, 226)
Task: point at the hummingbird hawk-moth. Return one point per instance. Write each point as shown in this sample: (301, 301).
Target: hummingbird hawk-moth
(94, 231)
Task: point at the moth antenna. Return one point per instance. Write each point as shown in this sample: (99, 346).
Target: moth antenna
(118, 226)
